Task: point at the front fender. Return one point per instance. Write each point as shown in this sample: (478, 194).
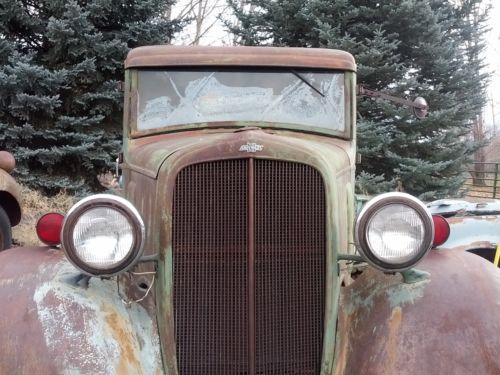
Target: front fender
(50, 324)
(446, 324)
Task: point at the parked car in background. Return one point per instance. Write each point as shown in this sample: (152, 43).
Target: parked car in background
(10, 200)
(235, 248)
(475, 226)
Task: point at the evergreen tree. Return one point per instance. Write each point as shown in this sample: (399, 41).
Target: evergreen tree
(406, 48)
(61, 61)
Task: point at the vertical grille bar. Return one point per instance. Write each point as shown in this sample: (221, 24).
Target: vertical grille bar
(210, 268)
(290, 267)
(251, 266)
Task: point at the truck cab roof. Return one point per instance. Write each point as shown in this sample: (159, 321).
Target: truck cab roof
(185, 56)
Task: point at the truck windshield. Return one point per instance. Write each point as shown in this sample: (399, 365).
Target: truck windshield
(299, 97)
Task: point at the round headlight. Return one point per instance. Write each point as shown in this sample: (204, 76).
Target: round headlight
(394, 231)
(103, 235)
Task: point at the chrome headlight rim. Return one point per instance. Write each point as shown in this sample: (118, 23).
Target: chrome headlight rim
(116, 203)
(374, 206)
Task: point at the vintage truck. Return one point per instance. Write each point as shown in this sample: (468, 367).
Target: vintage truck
(10, 200)
(235, 248)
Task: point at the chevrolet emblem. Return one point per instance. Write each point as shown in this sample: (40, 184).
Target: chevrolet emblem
(251, 147)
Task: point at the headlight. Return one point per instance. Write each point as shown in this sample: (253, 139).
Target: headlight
(103, 235)
(394, 231)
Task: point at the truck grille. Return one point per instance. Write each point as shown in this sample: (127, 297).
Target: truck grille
(249, 252)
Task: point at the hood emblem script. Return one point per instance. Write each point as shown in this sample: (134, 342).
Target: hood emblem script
(251, 147)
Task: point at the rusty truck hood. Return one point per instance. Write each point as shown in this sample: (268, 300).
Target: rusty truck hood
(146, 155)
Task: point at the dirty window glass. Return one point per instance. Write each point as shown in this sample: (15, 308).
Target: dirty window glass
(169, 98)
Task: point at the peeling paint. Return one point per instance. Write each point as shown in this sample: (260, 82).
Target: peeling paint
(402, 294)
(62, 311)
(439, 325)
(357, 300)
(53, 325)
(15, 281)
(121, 333)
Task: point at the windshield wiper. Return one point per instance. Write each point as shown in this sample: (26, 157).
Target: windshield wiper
(303, 79)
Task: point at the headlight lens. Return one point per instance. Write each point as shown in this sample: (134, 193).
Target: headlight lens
(394, 231)
(107, 230)
(103, 235)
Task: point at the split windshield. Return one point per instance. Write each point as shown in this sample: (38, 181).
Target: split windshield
(299, 97)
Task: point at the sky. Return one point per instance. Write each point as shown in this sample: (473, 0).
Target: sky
(214, 30)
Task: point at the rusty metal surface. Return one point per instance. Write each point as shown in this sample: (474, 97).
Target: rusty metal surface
(445, 325)
(252, 321)
(146, 155)
(141, 191)
(419, 103)
(10, 197)
(239, 56)
(50, 324)
(332, 158)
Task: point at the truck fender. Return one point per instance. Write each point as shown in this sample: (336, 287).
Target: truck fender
(446, 323)
(51, 324)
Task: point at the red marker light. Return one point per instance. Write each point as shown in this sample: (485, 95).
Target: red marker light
(441, 230)
(49, 227)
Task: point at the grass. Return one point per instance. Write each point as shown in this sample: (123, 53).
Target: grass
(34, 206)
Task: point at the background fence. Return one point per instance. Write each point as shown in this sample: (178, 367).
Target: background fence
(483, 180)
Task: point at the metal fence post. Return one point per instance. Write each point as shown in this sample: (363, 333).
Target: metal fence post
(495, 181)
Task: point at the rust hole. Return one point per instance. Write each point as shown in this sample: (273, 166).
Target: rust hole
(351, 278)
(356, 274)
(486, 253)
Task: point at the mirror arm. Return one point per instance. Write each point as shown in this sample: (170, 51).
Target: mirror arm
(419, 105)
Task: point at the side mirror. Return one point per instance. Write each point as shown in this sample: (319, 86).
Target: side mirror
(420, 107)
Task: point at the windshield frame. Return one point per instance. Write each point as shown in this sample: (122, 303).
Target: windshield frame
(131, 101)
